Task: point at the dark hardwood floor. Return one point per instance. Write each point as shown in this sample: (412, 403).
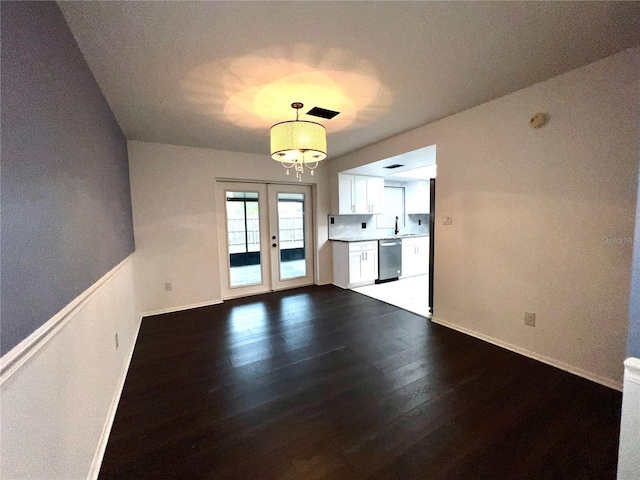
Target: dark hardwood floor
(321, 382)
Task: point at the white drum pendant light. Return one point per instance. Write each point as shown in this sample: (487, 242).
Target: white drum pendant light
(298, 143)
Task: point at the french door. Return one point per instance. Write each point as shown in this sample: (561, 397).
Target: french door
(266, 237)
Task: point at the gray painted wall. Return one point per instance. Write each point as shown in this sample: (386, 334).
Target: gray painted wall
(633, 337)
(66, 203)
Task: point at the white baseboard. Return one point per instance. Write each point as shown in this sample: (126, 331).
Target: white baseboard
(628, 465)
(181, 308)
(18, 355)
(632, 370)
(607, 382)
(96, 463)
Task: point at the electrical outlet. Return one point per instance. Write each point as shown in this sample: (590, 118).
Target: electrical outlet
(168, 287)
(529, 319)
(448, 220)
(117, 341)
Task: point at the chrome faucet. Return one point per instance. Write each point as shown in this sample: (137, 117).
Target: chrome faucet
(397, 230)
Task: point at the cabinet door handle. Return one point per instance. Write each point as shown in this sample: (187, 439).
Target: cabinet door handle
(353, 208)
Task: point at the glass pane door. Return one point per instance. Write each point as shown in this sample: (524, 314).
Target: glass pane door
(265, 237)
(291, 236)
(243, 238)
(291, 232)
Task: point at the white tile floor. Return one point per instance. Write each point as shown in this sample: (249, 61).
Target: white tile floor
(409, 293)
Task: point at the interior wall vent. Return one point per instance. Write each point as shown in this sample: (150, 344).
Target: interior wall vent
(322, 113)
(395, 165)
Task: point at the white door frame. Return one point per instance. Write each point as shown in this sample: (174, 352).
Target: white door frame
(269, 256)
(263, 206)
(308, 279)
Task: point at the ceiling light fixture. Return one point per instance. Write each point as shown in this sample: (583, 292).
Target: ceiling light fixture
(298, 143)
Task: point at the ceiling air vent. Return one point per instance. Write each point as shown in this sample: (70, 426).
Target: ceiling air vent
(395, 165)
(322, 113)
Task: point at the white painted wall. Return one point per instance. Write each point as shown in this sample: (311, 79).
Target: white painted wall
(175, 219)
(58, 405)
(629, 453)
(531, 208)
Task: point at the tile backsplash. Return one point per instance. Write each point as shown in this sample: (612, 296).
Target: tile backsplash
(350, 226)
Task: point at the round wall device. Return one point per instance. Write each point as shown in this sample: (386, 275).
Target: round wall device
(538, 120)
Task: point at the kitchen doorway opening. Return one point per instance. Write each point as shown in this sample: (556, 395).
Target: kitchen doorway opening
(389, 201)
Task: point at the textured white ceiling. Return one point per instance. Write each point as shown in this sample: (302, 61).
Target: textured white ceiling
(218, 74)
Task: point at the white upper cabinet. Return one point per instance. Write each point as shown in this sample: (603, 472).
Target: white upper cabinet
(346, 194)
(418, 197)
(375, 194)
(360, 194)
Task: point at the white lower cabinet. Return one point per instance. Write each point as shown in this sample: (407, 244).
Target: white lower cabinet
(363, 266)
(415, 256)
(355, 263)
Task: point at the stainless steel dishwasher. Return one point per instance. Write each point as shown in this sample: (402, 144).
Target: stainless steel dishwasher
(389, 260)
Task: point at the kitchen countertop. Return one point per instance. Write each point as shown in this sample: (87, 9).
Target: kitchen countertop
(372, 239)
